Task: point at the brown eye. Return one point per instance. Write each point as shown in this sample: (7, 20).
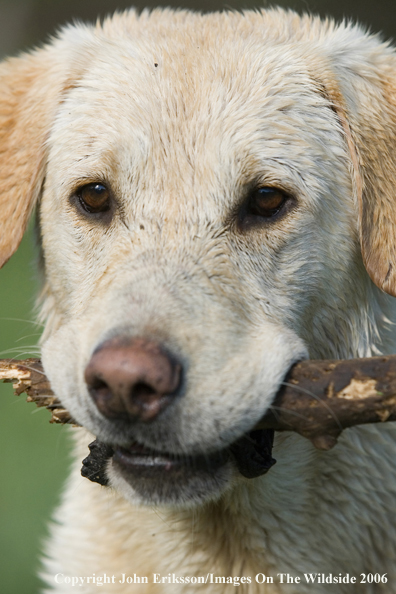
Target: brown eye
(263, 204)
(94, 198)
(266, 202)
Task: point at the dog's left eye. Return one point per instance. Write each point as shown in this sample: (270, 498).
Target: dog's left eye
(266, 202)
(262, 205)
(94, 198)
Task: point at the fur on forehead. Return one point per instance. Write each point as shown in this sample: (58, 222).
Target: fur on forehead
(237, 48)
(251, 122)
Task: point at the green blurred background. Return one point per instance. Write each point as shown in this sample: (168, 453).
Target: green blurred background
(34, 458)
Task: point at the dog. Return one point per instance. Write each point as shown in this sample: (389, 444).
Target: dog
(215, 202)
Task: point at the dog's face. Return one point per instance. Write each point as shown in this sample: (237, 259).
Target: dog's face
(199, 225)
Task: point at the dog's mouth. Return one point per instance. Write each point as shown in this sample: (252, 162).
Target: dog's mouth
(140, 465)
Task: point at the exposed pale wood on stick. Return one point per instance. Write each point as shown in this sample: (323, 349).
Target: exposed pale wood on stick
(28, 376)
(321, 398)
(317, 400)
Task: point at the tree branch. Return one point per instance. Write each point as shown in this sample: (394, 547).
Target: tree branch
(318, 399)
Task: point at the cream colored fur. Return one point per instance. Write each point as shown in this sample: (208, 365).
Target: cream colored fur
(179, 112)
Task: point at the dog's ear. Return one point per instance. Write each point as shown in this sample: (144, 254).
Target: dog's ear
(31, 88)
(362, 91)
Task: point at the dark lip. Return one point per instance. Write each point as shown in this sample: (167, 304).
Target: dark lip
(141, 460)
(252, 454)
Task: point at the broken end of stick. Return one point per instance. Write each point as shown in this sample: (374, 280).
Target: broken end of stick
(62, 416)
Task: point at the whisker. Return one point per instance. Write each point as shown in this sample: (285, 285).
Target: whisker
(322, 402)
(19, 355)
(288, 411)
(22, 354)
(22, 347)
(24, 321)
(28, 336)
(32, 369)
(274, 409)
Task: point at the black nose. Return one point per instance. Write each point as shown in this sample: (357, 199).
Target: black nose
(132, 379)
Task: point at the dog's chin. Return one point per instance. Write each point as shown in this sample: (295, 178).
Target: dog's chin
(161, 479)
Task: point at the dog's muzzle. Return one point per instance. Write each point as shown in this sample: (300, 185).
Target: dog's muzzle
(134, 380)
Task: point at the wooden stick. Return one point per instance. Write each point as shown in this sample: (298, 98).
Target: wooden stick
(28, 376)
(318, 399)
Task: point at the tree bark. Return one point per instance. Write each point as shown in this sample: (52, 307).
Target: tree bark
(318, 399)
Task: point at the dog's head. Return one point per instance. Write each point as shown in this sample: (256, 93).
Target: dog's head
(210, 190)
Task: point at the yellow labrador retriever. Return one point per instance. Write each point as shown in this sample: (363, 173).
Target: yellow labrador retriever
(216, 201)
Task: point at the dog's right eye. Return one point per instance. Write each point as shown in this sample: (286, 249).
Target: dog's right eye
(94, 198)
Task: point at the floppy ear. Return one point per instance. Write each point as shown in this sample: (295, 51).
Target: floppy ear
(362, 90)
(31, 88)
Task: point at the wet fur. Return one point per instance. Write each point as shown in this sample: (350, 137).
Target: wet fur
(179, 113)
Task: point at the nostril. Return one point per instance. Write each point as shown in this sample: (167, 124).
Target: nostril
(98, 384)
(104, 397)
(143, 391)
